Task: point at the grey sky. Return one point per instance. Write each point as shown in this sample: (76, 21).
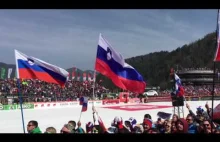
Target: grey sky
(69, 38)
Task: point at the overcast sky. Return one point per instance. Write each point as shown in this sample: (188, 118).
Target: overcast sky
(69, 38)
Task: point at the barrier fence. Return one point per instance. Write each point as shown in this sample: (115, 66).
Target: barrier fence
(48, 105)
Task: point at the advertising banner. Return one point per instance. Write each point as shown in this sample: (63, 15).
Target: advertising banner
(9, 107)
(1, 107)
(26, 106)
(110, 102)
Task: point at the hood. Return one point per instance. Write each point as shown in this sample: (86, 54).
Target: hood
(36, 131)
(147, 122)
(185, 124)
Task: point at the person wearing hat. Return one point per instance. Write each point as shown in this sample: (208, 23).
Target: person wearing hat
(147, 125)
(90, 128)
(118, 123)
(182, 126)
(130, 124)
(200, 114)
(159, 125)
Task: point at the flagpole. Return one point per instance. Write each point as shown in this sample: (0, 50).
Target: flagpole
(20, 100)
(80, 115)
(94, 80)
(213, 92)
(19, 92)
(213, 83)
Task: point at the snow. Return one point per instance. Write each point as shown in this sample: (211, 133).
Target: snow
(11, 122)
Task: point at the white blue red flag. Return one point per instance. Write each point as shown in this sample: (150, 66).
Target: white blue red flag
(111, 64)
(217, 54)
(178, 86)
(32, 68)
(84, 102)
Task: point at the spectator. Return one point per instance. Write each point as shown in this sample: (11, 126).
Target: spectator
(167, 127)
(200, 128)
(147, 125)
(191, 124)
(200, 114)
(130, 124)
(33, 128)
(217, 131)
(160, 126)
(90, 128)
(175, 118)
(182, 126)
(69, 127)
(173, 127)
(118, 123)
(207, 126)
(50, 130)
(79, 130)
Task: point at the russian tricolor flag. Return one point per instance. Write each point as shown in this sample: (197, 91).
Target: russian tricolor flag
(32, 68)
(111, 64)
(178, 86)
(84, 102)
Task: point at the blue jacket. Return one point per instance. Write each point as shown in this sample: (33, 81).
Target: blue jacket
(192, 129)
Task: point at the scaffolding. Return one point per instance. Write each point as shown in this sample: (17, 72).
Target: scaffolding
(178, 106)
(179, 110)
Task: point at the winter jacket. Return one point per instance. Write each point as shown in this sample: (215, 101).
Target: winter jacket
(36, 131)
(150, 131)
(204, 114)
(80, 130)
(123, 130)
(185, 125)
(192, 128)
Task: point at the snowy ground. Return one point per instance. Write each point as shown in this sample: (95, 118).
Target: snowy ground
(11, 122)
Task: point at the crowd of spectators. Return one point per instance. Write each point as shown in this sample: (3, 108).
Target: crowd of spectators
(38, 91)
(190, 90)
(195, 69)
(193, 124)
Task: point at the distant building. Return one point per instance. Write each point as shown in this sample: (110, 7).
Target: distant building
(198, 76)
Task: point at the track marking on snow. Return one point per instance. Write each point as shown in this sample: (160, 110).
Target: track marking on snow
(137, 107)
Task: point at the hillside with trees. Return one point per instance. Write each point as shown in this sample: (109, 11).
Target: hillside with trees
(155, 67)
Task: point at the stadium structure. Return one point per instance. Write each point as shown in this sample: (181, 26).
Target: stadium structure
(198, 76)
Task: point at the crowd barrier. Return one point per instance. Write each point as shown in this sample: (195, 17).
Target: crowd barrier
(54, 105)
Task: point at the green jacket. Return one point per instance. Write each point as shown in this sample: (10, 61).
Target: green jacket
(36, 131)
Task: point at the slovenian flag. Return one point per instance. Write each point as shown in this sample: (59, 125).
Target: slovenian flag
(32, 68)
(84, 102)
(217, 54)
(112, 65)
(178, 86)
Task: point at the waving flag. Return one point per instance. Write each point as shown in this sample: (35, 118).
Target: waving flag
(178, 86)
(102, 125)
(112, 65)
(84, 102)
(32, 68)
(217, 54)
